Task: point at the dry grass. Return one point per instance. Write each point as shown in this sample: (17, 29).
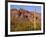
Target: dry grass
(24, 25)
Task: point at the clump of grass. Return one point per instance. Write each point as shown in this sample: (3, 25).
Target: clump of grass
(24, 26)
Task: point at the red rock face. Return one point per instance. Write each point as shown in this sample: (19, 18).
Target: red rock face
(24, 15)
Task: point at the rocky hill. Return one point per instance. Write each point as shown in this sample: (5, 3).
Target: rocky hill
(24, 20)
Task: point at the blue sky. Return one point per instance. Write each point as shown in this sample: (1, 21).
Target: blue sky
(29, 8)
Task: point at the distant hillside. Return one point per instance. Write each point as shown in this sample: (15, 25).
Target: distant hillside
(23, 20)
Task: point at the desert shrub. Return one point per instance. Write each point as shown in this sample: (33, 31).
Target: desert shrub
(38, 26)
